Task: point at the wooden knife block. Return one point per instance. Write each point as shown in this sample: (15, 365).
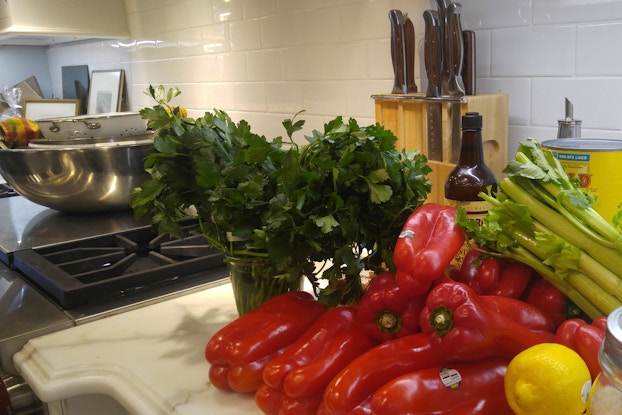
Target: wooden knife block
(405, 115)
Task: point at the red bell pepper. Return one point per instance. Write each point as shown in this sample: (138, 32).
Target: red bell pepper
(239, 351)
(547, 298)
(304, 370)
(350, 391)
(459, 389)
(583, 338)
(386, 312)
(428, 242)
(492, 276)
(464, 329)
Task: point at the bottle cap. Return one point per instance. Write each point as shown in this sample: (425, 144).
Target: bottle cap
(613, 336)
(472, 121)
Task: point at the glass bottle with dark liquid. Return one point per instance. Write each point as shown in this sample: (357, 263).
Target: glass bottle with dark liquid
(471, 176)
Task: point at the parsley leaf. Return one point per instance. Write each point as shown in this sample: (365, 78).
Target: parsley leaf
(340, 200)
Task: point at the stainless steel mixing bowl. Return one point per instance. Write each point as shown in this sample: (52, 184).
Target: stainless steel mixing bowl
(79, 179)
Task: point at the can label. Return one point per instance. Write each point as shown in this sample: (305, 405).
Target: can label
(475, 210)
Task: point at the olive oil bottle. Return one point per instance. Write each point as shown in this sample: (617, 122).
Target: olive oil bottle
(470, 176)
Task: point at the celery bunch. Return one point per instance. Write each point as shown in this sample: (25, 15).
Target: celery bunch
(543, 219)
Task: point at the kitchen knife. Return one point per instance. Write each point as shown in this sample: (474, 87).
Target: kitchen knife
(442, 17)
(409, 36)
(402, 52)
(455, 86)
(455, 49)
(434, 68)
(398, 51)
(468, 71)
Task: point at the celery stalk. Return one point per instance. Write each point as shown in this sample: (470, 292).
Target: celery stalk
(540, 165)
(558, 224)
(606, 302)
(522, 255)
(541, 218)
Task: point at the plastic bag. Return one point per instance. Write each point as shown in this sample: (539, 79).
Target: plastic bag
(13, 97)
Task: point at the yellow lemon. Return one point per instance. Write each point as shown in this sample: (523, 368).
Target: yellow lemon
(547, 379)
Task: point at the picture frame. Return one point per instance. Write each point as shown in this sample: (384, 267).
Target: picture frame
(37, 109)
(105, 91)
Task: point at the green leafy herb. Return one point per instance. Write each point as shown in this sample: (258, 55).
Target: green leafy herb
(341, 200)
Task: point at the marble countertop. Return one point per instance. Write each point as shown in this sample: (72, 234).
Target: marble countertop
(150, 360)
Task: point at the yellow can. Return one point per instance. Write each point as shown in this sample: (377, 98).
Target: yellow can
(598, 166)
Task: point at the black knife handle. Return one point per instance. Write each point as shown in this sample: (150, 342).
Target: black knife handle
(469, 74)
(433, 53)
(455, 53)
(409, 42)
(442, 6)
(396, 17)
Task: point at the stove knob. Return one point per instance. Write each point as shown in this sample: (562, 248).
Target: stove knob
(16, 397)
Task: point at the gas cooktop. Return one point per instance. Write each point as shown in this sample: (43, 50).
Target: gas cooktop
(101, 268)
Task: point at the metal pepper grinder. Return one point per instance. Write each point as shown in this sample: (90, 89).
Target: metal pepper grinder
(569, 127)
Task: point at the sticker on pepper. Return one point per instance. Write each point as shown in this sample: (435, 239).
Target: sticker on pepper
(450, 377)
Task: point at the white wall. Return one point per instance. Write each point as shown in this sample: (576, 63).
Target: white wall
(264, 60)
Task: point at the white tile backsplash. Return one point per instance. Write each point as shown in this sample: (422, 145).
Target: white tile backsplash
(226, 10)
(500, 14)
(533, 51)
(573, 11)
(258, 8)
(284, 97)
(245, 35)
(264, 60)
(263, 65)
(592, 60)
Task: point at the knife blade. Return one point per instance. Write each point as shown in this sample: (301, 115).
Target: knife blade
(398, 51)
(434, 67)
(468, 71)
(455, 86)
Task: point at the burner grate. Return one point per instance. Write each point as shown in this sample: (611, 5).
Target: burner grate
(85, 271)
(6, 191)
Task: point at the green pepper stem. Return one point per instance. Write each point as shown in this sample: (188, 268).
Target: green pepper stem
(388, 321)
(441, 320)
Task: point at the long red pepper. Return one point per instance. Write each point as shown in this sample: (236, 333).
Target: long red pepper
(354, 385)
(462, 328)
(426, 246)
(526, 314)
(474, 388)
(299, 376)
(239, 351)
(350, 391)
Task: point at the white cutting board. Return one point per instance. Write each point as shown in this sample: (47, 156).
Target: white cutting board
(150, 360)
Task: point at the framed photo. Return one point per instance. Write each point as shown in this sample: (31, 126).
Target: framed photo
(37, 109)
(105, 91)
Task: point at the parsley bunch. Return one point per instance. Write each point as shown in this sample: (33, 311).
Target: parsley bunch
(341, 200)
